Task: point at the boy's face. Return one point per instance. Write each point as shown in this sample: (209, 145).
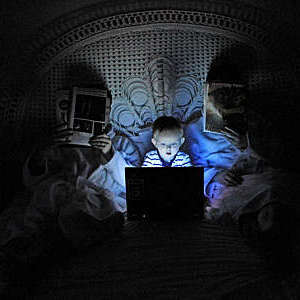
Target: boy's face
(168, 143)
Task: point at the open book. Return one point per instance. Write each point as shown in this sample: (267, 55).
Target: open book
(85, 111)
(225, 107)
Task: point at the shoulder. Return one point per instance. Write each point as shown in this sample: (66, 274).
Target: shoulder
(182, 160)
(182, 155)
(152, 153)
(151, 159)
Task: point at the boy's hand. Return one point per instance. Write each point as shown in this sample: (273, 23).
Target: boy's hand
(102, 142)
(229, 178)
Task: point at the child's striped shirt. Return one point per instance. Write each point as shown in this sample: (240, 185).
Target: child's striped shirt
(152, 159)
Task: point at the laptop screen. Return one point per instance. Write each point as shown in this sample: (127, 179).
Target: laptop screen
(164, 193)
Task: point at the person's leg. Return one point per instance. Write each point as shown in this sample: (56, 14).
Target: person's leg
(270, 216)
(272, 219)
(271, 231)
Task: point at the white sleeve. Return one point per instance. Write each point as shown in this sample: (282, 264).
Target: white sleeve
(209, 174)
(112, 173)
(111, 176)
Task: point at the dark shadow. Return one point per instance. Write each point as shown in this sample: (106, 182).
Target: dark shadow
(84, 76)
(56, 249)
(272, 109)
(273, 117)
(232, 65)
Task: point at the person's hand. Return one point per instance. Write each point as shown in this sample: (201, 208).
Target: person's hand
(43, 157)
(57, 135)
(61, 135)
(229, 178)
(102, 142)
(238, 140)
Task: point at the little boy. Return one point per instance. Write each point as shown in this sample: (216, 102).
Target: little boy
(167, 137)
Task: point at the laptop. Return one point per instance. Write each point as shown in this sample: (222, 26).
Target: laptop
(164, 193)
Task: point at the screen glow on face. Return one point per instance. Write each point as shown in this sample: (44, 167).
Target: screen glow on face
(166, 146)
(168, 143)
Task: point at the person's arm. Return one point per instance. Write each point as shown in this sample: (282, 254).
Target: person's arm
(240, 141)
(111, 176)
(209, 175)
(228, 178)
(37, 165)
(216, 179)
(250, 160)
